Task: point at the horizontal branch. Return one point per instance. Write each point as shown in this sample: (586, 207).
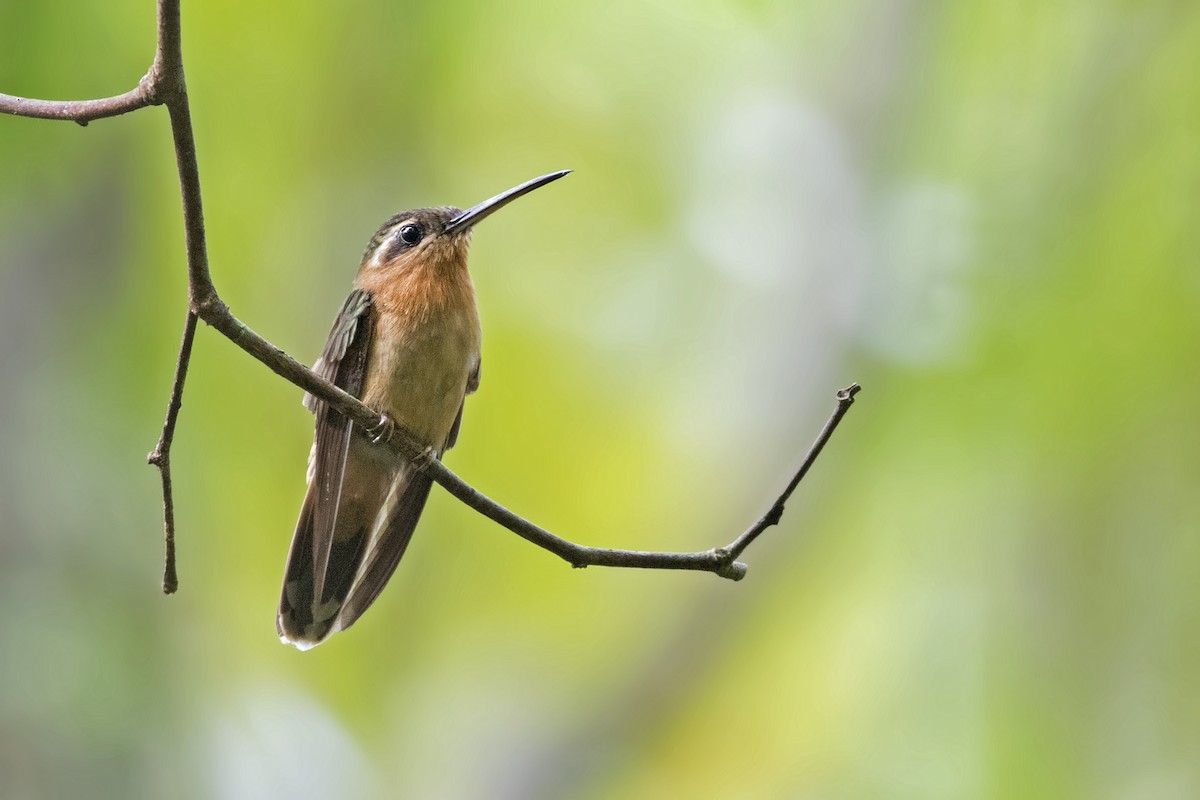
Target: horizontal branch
(721, 560)
(81, 111)
(718, 560)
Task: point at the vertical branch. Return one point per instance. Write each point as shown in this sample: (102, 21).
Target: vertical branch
(160, 456)
(168, 74)
(200, 287)
(170, 45)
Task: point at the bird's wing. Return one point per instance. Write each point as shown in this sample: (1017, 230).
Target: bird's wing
(396, 522)
(344, 363)
(472, 386)
(394, 529)
(343, 334)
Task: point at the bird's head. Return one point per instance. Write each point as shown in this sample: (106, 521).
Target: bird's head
(440, 234)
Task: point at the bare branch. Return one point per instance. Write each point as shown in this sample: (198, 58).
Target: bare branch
(165, 84)
(80, 111)
(722, 561)
(200, 286)
(845, 399)
(148, 92)
(170, 83)
(160, 456)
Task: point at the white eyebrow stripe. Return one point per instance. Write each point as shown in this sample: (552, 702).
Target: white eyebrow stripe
(384, 243)
(377, 256)
(376, 260)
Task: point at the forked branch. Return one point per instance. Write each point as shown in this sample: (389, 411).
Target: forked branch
(164, 84)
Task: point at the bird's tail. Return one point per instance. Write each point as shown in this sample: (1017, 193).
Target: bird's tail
(373, 526)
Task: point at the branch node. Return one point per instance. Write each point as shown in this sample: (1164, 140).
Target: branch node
(734, 571)
(148, 86)
(209, 307)
(726, 566)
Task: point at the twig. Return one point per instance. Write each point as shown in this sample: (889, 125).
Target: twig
(845, 399)
(81, 111)
(164, 84)
(723, 561)
(160, 456)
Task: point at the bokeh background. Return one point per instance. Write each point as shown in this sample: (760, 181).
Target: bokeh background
(984, 212)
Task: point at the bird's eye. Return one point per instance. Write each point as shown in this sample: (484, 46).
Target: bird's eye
(410, 234)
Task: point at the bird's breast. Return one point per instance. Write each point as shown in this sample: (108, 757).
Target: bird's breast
(419, 369)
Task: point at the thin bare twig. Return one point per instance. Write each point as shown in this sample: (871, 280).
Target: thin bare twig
(164, 84)
(160, 456)
(845, 399)
(722, 560)
(81, 111)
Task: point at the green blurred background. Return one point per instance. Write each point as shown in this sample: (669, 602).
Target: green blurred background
(984, 212)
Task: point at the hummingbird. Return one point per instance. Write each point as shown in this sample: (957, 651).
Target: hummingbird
(407, 344)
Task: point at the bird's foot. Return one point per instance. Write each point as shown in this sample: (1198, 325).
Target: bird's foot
(427, 457)
(383, 431)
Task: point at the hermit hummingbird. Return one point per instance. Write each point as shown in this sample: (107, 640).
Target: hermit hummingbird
(407, 344)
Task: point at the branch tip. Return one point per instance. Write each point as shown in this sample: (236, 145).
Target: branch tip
(734, 571)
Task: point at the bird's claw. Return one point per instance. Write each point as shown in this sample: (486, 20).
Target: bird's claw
(383, 431)
(428, 455)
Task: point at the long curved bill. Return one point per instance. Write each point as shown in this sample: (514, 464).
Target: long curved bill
(471, 216)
